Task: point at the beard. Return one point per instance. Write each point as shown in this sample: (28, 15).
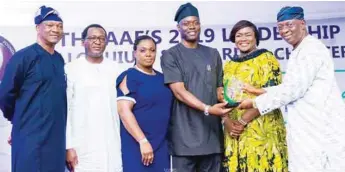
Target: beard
(94, 55)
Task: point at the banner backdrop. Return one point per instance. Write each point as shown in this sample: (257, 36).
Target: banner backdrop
(326, 22)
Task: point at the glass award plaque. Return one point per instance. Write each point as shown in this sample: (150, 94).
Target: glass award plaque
(233, 92)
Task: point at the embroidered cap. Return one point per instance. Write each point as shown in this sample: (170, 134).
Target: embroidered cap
(288, 13)
(46, 13)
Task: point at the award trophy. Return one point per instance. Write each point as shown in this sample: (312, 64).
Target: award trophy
(233, 92)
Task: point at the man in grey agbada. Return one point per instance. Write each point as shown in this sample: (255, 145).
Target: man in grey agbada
(194, 74)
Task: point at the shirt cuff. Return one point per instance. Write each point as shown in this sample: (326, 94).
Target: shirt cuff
(259, 105)
(126, 98)
(70, 145)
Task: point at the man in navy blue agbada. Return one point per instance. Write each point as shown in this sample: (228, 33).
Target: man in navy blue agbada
(33, 98)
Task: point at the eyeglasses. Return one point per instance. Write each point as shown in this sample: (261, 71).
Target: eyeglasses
(289, 25)
(190, 24)
(94, 39)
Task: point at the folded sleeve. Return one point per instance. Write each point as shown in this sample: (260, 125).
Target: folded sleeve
(132, 86)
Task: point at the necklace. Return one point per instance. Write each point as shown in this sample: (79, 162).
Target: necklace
(151, 73)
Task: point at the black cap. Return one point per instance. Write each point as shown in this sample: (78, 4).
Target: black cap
(186, 10)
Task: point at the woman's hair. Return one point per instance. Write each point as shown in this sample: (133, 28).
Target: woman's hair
(242, 24)
(140, 38)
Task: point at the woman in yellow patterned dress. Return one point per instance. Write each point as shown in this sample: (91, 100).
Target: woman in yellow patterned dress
(261, 147)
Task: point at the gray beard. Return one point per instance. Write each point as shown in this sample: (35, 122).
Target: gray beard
(95, 55)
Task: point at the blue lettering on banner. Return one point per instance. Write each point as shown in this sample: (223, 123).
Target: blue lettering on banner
(225, 36)
(63, 39)
(276, 35)
(156, 37)
(126, 38)
(282, 53)
(139, 33)
(121, 39)
(70, 58)
(75, 38)
(209, 35)
(154, 34)
(175, 34)
(337, 51)
(206, 36)
(343, 95)
(334, 29)
(111, 38)
(228, 53)
(265, 33)
(324, 31)
(118, 56)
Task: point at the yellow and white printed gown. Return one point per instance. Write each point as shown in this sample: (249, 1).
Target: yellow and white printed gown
(262, 146)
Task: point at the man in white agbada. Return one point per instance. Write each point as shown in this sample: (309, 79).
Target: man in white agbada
(93, 137)
(316, 111)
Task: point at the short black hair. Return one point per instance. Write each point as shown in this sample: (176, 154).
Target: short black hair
(242, 24)
(140, 38)
(84, 33)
